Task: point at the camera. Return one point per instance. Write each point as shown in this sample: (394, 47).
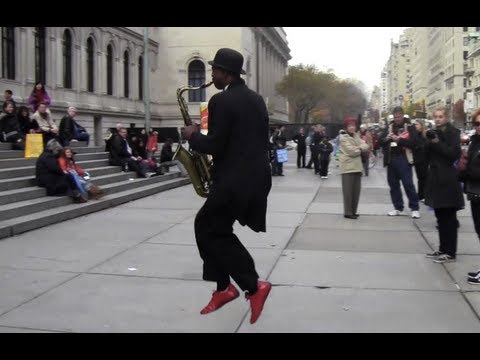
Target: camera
(431, 134)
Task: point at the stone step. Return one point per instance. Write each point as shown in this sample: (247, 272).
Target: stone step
(75, 144)
(26, 181)
(30, 206)
(31, 191)
(22, 162)
(8, 173)
(5, 146)
(11, 154)
(29, 222)
(90, 149)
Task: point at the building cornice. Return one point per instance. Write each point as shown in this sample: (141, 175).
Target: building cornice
(272, 36)
(137, 36)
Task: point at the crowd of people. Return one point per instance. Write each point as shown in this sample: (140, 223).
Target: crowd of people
(56, 169)
(443, 172)
(137, 152)
(15, 123)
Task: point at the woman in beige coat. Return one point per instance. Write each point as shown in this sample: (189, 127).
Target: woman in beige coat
(350, 151)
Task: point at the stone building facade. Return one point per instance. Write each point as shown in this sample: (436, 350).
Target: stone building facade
(99, 69)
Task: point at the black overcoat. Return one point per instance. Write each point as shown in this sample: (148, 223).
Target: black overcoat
(238, 141)
(443, 190)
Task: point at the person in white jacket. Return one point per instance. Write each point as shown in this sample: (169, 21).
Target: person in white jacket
(350, 151)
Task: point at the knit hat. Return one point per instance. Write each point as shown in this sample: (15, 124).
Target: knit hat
(348, 121)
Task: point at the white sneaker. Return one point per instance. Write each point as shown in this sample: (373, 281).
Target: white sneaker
(415, 214)
(395, 213)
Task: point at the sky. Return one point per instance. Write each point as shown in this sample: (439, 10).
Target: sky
(351, 52)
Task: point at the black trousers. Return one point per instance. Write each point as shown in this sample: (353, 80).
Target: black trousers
(316, 160)
(447, 230)
(421, 170)
(310, 162)
(475, 206)
(301, 152)
(223, 254)
(324, 167)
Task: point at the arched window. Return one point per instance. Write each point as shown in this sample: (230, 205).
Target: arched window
(40, 55)
(90, 65)
(196, 77)
(126, 74)
(67, 59)
(109, 70)
(140, 77)
(8, 52)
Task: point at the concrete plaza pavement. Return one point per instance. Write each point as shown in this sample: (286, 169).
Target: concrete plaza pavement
(136, 268)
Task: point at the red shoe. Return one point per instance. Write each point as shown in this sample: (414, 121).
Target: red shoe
(220, 298)
(258, 299)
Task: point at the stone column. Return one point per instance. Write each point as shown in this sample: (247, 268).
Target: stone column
(102, 73)
(262, 67)
(21, 71)
(60, 63)
(134, 73)
(76, 66)
(118, 84)
(82, 61)
(98, 71)
(30, 70)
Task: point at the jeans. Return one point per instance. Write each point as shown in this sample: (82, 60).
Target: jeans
(400, 170)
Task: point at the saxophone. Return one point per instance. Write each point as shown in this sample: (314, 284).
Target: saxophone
(197, 165)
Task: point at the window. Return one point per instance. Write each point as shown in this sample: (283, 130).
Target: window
(465, 29)
(67, 59)
(196, 77)
(90, 65)
(465, 55)
(126, 74)
(8, 52)
(109, 70)
(477, 29)
(465, 41)
(40, 55)
(464, 82)
(140, 77)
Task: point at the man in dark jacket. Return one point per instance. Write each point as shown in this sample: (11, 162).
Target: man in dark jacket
(238, 140)
(398, 159)
(10, 130)
(8, 96)
(71, 130)
(300, 140)
(122, 154)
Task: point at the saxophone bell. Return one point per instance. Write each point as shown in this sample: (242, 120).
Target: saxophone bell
(197, 165)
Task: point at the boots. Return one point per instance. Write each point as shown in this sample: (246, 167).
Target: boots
(95, 192)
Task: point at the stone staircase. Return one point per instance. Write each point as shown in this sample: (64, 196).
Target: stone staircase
(24, 206)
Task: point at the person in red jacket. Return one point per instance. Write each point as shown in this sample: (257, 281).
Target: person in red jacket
(152, 144)
(81, 177)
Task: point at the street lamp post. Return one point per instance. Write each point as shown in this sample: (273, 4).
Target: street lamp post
(146, 80)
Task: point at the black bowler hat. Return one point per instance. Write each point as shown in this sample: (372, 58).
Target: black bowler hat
(230, 60)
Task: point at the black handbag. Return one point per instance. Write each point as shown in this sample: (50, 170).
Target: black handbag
(472, 189)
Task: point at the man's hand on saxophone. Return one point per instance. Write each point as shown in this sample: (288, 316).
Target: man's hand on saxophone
(188, 131)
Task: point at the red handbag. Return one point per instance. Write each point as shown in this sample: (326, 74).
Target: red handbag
(462, 162)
